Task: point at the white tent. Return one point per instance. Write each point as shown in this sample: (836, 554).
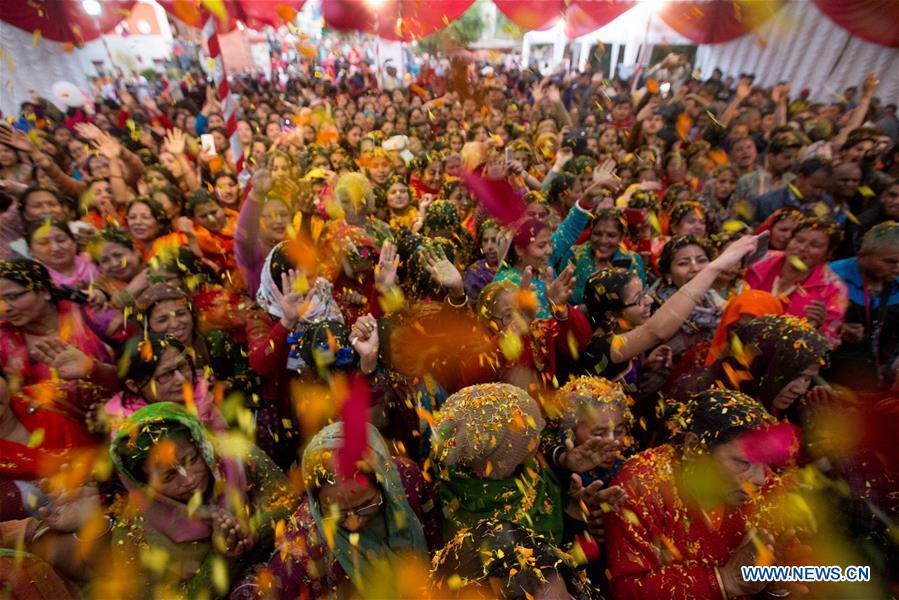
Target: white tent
(804, 47)
(799, 44)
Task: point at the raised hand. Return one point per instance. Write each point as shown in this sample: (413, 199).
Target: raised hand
(262, 182)
(559, 289)
(538, 91)
(388, 262)
(852, 332)
(88, 131)
(424, 203)
(588, 455)
(605, 174)
(175, 141)
(107, 145)
(184, 225)
(780, 92)
(228, 537)
(365, 341)
(870, 84)
(743, 556)
(599, 503)
(816, 313)
(442, 271)
(744, 88)
(660, 357)
(67, 512)
(562, 157)
(290, 299)
(16, 139)
(68, 361)
(734, 254)
(578, 493)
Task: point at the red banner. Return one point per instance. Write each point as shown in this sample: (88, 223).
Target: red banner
(65, 20)
(876, 21)
(580, 16)
(255, 14)
(404, 20)
(717, 22)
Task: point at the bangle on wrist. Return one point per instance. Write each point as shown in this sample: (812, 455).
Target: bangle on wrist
(105, 531)
(720, 580)
(458, 304)
(42, 528)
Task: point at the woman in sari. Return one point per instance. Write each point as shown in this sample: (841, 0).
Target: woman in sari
(197, 507)
(159, 368)
(682, 258)
(800, 278)
(151, 230)
(42, 329)
(774, 362)
(604, 249)
(166, 308)
(37, 430)
(53, 245)
(676, 537)
(348, 525)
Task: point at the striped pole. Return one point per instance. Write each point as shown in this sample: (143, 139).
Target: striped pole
(220, 79)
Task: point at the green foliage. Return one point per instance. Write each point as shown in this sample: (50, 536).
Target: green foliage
(150, 74)
(464, 30)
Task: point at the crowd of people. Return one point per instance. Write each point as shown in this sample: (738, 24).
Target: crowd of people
(491, 334)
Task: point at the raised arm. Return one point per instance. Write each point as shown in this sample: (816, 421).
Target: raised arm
(669, 317)
(858, 114)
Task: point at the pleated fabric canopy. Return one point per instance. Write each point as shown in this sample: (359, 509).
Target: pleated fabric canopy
(64, 20)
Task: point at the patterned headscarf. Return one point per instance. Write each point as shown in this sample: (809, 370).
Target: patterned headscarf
(718, 416)
(319, 304)
(404, 530)
(487, 429)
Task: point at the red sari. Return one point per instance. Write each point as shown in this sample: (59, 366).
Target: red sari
(52, 410)
(660, 544)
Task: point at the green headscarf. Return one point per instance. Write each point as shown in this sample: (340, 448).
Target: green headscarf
(404, 531)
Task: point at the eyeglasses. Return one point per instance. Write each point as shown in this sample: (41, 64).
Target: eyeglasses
(639, 300)
(186, 369)
(366, 510)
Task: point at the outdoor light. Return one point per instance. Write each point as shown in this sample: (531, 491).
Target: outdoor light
(92, 7)
(374, 4)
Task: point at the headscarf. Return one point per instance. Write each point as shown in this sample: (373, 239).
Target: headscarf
(319, 306)
(775, 350)
(441, 215)
(493, 424)
(327, 345)
(496, 556)
(156, 293)
(345, 242)
(484, 441)
(751, 302)
(716, 417)
(583, 394)
(776, 217)
(404, 530)
(133, 442)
